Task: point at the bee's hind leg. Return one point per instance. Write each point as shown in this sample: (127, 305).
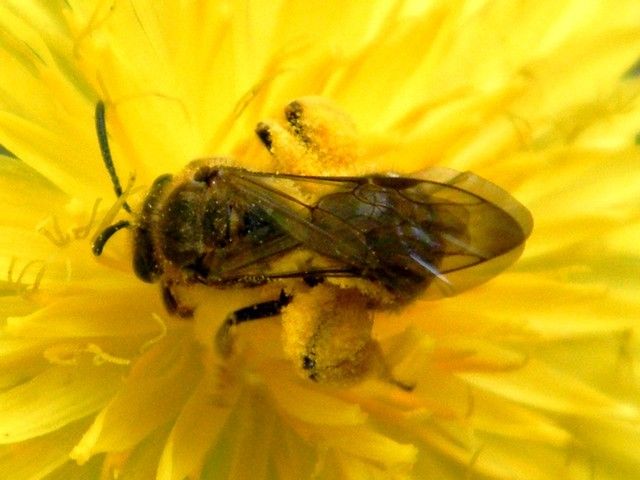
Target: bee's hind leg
(257, 311)
(173, 303)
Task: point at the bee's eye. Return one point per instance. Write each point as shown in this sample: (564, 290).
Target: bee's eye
(308, 363)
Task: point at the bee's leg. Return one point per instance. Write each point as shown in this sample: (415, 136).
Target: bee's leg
(285, 147)
(257, 311)
(386, 374)
(173, 304)
(263, 131)
(316, 133)
(403, 386)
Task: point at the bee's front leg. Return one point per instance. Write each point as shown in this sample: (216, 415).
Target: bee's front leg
(257, 311)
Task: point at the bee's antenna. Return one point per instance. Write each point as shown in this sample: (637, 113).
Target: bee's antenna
(106, 234)
(101, 131)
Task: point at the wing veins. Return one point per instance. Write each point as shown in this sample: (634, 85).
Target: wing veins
(315, 237)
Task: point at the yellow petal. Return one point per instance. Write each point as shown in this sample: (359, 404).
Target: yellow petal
(312, 406)
(364, 443)
(537, 386)
(45, 453)
(154, 392)
(89, 316)
(195, 430)
(72, 393)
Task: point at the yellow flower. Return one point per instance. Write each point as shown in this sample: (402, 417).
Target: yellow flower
(529, 376)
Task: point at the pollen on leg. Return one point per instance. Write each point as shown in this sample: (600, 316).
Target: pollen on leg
(291, 155)
(327, 335)
(328, 129)
(316, 136)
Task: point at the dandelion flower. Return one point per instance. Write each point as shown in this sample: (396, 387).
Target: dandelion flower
(529, 376)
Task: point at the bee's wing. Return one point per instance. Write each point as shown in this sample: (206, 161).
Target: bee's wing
(244, 259)
(286, 207)
(496, 225)
(461, 187)
(438, 224)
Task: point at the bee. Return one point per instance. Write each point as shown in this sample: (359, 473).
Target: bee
(379, 240)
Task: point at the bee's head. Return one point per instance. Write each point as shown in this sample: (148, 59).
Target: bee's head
(146, 261)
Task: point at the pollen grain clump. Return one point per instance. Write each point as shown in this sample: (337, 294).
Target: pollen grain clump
(322, 346)
(317, 136)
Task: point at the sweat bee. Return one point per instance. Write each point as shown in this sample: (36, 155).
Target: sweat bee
(354, 243)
